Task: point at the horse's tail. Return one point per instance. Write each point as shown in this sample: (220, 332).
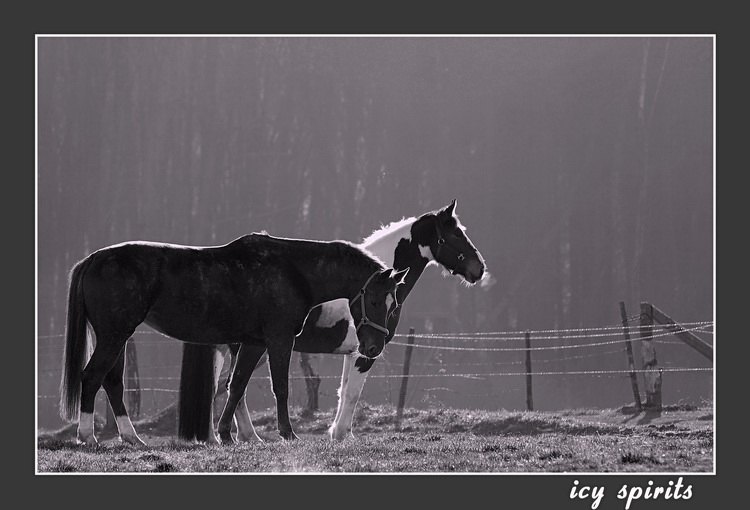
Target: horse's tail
(77, 345)
(197, 390)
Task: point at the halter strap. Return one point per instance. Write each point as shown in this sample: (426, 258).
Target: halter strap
(364, 321)
(441, 241)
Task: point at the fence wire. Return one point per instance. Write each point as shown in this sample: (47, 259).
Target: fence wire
(584, 338)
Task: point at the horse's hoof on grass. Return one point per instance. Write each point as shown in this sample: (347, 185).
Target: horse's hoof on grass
(133, 441)
(250, 439)
(87, 441)
(340, 434)
(226, 439)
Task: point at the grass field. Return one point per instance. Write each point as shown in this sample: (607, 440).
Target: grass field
(680, 439)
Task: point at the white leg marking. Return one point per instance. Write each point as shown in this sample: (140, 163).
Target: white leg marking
(218, 365)
(333, 430)
(85, 432)
(245, 429)
(127, 432)
(352, 382)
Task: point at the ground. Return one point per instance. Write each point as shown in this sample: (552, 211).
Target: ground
(677, 439)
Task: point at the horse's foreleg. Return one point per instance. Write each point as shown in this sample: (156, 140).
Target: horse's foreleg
(113, 385)
(247, 358)
(279, 356)
(334, 429)
(352, 381)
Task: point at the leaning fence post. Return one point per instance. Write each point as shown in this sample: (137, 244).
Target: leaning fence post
(407, 360)
(631, 363)
(652, 373)
(529, 398)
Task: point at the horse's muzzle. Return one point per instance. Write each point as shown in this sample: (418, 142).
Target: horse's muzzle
(372, 351)
(474, 270)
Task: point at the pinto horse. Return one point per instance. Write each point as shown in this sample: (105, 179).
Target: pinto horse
(436, 237)
(255, 291)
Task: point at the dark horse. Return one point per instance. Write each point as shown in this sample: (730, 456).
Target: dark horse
(255, 291)
(436, 237)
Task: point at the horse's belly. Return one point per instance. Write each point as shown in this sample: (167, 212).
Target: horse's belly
(204, 331)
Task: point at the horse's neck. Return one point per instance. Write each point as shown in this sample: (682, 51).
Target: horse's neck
(399, 250)
(329, 277)
(383, 244)
(331, 269)
(412, 259)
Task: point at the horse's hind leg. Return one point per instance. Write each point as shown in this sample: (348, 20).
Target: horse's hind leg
(245, 429)
(218, 365)
(247, 358)
(113, 385)
(102, 360)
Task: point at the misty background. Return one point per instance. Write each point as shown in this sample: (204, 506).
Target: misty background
(582, 168)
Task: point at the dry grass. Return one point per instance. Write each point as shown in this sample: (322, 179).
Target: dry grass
(437, 440)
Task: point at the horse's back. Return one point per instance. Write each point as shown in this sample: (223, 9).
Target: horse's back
(195, 293)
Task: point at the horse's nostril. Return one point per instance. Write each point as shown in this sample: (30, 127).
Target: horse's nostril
(373, 351)
(475, 269)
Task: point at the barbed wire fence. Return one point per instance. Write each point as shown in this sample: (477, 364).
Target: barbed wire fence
(485, 366)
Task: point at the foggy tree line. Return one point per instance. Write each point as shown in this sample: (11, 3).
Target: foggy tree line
(582, 166)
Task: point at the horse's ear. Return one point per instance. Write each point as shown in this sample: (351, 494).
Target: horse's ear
(399, 276)
(451, 208)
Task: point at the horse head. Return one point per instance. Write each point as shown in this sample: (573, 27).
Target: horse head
(371, 307)
(453, 249)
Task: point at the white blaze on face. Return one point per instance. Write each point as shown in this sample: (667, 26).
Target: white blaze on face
(388, 301)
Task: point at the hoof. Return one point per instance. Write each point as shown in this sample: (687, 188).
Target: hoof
(132, 440)
(340, 435)
(87, 441)
(226, 438)
(250, 438)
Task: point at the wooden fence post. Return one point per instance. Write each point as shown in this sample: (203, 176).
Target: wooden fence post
(529, 398)
(407, 361)
(652, 373)
(680, 332)
(631, 363)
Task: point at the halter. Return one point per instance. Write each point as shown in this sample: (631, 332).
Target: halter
(441, 242)
(364, 321)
